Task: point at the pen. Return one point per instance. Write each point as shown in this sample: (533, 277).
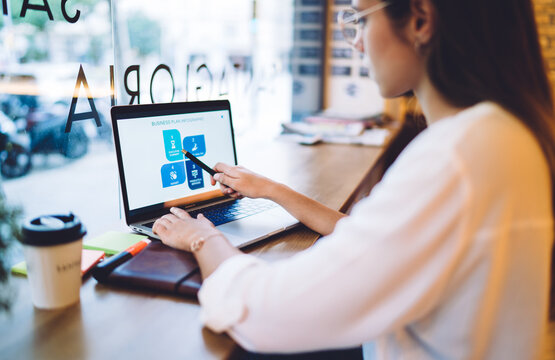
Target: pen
(194, 159)
(101, 271)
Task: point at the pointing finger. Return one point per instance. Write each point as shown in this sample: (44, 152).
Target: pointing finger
(231, 171)
(222, 167)
(225, 179)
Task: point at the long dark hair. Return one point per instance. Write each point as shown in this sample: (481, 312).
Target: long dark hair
(489, 51)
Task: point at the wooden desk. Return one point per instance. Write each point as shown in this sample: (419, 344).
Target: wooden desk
(111, 323)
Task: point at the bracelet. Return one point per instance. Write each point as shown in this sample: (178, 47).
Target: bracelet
(196, 244)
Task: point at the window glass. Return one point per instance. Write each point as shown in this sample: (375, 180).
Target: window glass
(52, 53)
(63, 64)
(207, 49)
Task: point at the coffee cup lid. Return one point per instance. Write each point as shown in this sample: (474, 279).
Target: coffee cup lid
(50, 230)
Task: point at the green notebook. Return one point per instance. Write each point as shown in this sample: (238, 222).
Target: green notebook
(20, 268)
(113, 242)
(89, 258)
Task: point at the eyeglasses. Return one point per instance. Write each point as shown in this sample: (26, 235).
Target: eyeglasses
(346, 17)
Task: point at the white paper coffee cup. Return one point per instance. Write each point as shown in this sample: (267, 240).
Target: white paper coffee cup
(53, 247)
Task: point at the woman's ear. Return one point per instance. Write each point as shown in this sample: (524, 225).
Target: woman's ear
(422, 24)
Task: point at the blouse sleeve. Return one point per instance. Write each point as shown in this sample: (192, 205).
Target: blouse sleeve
(383, 266)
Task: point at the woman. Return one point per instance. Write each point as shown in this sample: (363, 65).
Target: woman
(449, 256)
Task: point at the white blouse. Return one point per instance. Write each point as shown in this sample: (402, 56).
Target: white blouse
(448, 257)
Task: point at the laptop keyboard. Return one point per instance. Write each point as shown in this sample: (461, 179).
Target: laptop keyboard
(224, 213)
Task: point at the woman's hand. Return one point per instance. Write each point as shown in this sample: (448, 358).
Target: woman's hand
(179, 229)
(236, 181)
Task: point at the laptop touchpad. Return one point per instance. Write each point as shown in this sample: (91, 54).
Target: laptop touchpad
(251, 227)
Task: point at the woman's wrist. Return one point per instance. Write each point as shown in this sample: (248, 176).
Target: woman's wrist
(274, 191)
(215, 250)
(198, 242)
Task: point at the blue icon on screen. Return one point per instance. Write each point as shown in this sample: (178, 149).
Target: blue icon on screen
(194, 174)
(172, 144)
(173, 174)
(195, 145)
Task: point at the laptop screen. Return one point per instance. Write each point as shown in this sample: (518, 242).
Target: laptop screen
(154, 172)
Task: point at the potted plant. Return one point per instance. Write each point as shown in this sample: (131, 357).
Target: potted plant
(10, 230)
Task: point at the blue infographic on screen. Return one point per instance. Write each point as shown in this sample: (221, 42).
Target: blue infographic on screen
(195, 145)
(174, 173)
(172, 143)
(194, 175)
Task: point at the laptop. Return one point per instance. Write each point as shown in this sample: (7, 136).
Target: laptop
(155, 175)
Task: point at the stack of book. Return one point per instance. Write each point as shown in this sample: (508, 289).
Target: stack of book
(332, 127)
(331, 116)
